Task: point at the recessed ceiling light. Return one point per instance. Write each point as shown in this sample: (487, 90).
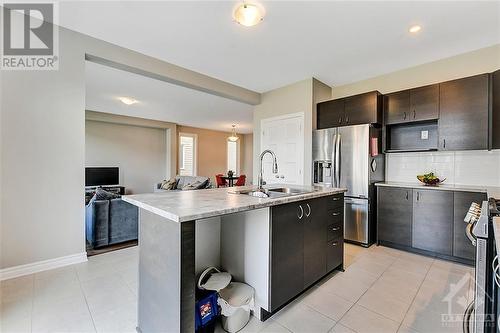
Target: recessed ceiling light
(128, 100)
(248, 14)
(414, 29)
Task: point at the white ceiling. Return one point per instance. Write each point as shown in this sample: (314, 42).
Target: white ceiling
(160, 100)
(335, 41)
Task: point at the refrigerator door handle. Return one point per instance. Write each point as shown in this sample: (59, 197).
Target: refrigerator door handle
(337, 160)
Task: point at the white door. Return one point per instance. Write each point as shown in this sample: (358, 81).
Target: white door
(285, 137)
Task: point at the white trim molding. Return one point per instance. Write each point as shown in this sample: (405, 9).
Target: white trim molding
(40, 266)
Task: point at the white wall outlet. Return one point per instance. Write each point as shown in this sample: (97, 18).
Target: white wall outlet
(424, 135)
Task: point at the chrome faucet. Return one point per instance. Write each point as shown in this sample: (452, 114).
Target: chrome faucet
(275, 167)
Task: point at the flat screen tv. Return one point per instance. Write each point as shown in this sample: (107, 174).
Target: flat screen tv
(100, 176)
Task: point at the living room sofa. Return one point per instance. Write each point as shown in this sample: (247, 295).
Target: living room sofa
(110, 222)
(182, 181)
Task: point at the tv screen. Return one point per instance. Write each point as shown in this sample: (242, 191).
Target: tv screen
(101, 176)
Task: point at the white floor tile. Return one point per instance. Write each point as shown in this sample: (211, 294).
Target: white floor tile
(384, 304)
(339, 328)
(301, 318)
(350, 290)
(328, 304)
(363, 320)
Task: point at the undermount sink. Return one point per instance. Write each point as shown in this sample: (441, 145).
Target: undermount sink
(272, 192)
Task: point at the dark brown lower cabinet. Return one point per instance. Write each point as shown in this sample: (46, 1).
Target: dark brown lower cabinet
(462, 247)
(395, 215)
(315, 238)
(301, 251)
(287, 253)
(426, 219)
(432, 221)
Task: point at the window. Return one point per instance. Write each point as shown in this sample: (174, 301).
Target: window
(233, 153)
(187, 154)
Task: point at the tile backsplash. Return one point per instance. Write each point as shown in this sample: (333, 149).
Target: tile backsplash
(475, 167)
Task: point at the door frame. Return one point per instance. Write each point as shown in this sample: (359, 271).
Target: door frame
(302, 138)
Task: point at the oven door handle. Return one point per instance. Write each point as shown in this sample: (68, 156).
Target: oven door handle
(467, 318)
(469, 234)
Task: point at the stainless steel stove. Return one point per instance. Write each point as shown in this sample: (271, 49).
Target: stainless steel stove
(481, 315)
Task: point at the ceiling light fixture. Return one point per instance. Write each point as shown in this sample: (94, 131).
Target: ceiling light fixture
(248, 14)
(414, 29)
(128, 100)
(233, 137)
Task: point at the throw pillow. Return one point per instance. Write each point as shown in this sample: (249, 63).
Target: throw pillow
(101, 194)
(193, 186)
(169, 185)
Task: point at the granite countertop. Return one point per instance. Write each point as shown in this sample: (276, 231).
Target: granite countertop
(181, 206)
(491, 191)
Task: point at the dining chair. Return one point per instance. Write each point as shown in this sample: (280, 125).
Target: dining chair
(221, 182)
(241, 180)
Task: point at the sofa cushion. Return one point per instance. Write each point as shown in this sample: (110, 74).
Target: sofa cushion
(101, 194)
(187, 180)
(194, 186)
(169, 184)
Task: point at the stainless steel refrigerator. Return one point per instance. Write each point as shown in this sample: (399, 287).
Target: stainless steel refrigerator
(351, 157)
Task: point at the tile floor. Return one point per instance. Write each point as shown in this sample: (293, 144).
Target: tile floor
(381, 290)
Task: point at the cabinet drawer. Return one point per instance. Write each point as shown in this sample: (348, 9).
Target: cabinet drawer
(335, 201)
(335, 253)
(334, 231)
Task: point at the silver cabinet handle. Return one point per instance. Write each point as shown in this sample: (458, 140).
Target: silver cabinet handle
(418, 196)
(335, 243)
(404, 118)
(301, 213)
(335, 228)
(282, 176)
(406, 195)
(336, 214)
(309, 210)
(336, 198)
(277, 176)
(444, 143)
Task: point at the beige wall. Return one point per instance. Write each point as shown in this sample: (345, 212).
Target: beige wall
(211, 156)
(43, 146)
(139, 152)
(480, 61)
(299, 97)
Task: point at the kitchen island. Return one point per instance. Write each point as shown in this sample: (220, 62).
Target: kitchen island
(279, 245)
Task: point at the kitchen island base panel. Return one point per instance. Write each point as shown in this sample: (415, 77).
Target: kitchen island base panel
(166, 266)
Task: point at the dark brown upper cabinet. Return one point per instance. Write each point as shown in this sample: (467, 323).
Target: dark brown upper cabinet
(495, 78)
(464, 113)
(418, 104)
(424, 103)
(354, 110)
(396, 107)
(331, 113)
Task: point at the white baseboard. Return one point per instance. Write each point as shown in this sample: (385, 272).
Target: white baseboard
(40, 266)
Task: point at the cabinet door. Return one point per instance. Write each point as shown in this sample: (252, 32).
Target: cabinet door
(462, 246)
(330, 114)
(315, 239)
(463, 114)
(496, 110)
(424, 103)
(287, 253)
(394, 215)
(433, 221)
(361, 109)
(397, 107)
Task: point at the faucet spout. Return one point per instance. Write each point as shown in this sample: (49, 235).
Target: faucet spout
(275, 167)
